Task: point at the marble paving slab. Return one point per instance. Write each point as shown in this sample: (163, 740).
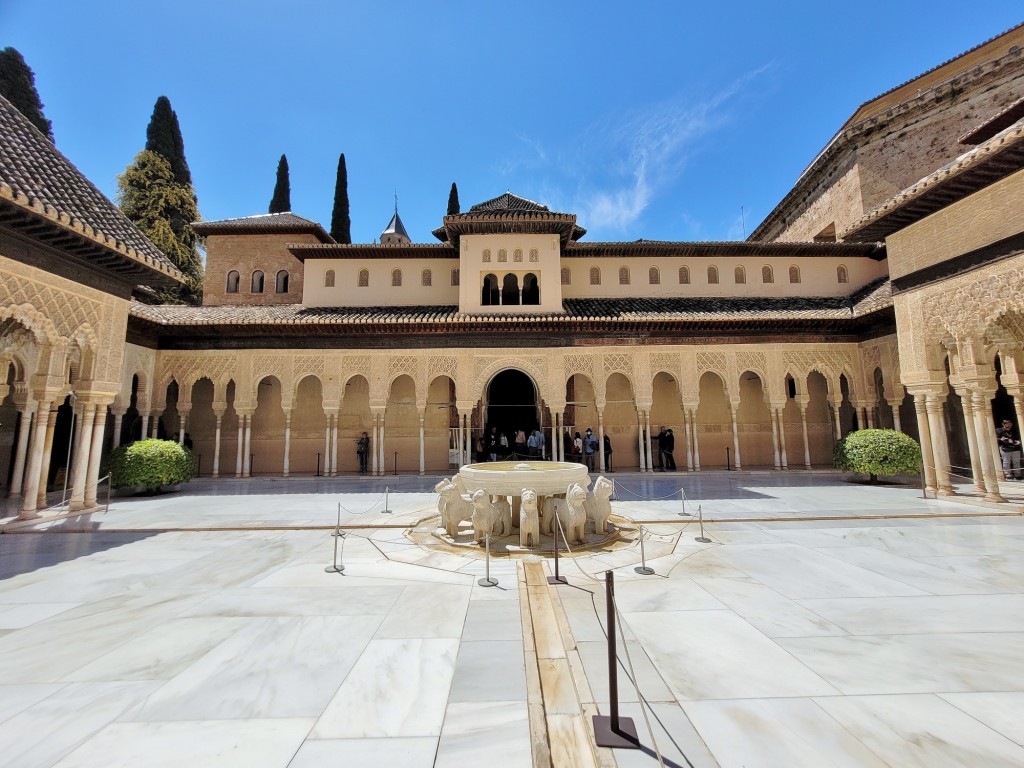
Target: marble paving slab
(480, 733)
(927, 613)
(412, 752)
(489, 671)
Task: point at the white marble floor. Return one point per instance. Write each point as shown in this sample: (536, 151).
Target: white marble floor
(850, 641)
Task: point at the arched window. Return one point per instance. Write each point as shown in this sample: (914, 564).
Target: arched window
(517, 254)
(595, 275)
(487, 254)
(767, 276)
(257, 282)
(684, 275)
(566, 276)
(502, 255)
(455, 276)
(534, 256)
(794, 274)
(623, 275)
(282, 281)
(396, 278)
(654, 276)
(842, 275)
(329, 278)
(741, 275)
(232, 286)
(489, 295)
(427, 279)
(364, 278)
(712, 275)
(531, 289)
(510, 289)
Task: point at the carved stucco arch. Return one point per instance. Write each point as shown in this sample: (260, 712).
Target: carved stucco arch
(38, 324)
(485, 375)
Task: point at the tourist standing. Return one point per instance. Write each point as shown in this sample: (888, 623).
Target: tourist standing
(668, 447)
(1009, 449)
(590, 449)
(492, 444)
(520, 443)
(540, 443)
(577, 448)
(659, 440)
(363, 452)
(567, 447)
(608, 453)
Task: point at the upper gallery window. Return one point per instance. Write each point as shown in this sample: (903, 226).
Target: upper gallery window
(767, 276)
(502, 255)
(566, 276)
(842, 275)
(684, 275)
(595, 275)
(427, 278)
(654, 276)
(794, 274)
(396, 278)
(534, 256)
(282, 281)
(329, 279)
(741, 276)
(232, 286)
(257, 282)
(487, 254)
(517, 254)
(455, 276)
(712, 275)
(623, 275)
(364, 278)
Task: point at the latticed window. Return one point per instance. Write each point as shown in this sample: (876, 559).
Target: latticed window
(712, 275)
(329, 279)
(396, 278)
(566, 276)
(741, 276)
(364, 278)
(427, 279)
(595, 275)
(534, 256)
(654, 276)
(767, 276)
(232, 285)
(455, 276)
(684, 275)
(842, 275)
(257, 282)
(517, 254)
(794, 274)
(502, 254)
(487, 254)
(623, 275)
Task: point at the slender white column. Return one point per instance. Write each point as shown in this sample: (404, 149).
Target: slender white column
(803, 429)
(696, 440)
(940, 448)
(423, 446)
(155, 427)
(51, 422)
(21, 452)
(735, 436)
(648, 444)
(782, 440)
(82, 457)
(895, 405)
(927, 455)
(383, 453)
(93, 473)
(327, 447)
(871, 417)
(240, 445)
(35, 461)
(985, 432)
(118, 417)
(688, 438)
(600, 439)
(216, 444)
(641, 441)
(774, 416)
(839, 424)
(182, 422)
(556, 438)
(1018, 408)
(287, 442)
(334, 444)
(967, 400)
(247, 455)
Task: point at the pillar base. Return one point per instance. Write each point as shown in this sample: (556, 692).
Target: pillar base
(946, 492)
(995, 497)
(29, 515)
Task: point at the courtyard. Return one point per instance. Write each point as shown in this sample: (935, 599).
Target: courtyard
(825, 623)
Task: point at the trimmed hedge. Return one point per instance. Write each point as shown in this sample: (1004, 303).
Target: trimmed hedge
(877, 452)
(150, 464)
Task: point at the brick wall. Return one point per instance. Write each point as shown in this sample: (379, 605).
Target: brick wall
(247, 253)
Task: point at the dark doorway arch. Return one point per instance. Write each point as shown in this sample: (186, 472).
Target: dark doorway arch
(510, 289)
(531, 289)
(489, 295)
(512, 403)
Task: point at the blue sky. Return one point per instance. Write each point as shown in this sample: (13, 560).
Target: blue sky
(656, 120)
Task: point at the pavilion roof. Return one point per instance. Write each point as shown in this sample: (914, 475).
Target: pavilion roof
(263, 224)
(509, 213)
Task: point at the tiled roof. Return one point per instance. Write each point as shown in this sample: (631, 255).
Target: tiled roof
(303, 251)
(507, 202)
(265, 223)
(869, 299)
(396, 227)
(509, 213)
(664, 248)
(996, 158)
(37, 179)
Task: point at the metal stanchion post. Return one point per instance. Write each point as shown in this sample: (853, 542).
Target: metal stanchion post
(318, 463)
(728, 461)
(702, 538)
(611, 730)
(334, 567)
(396, 462)
(682, 497)
(642, 568)
(387, 510)
(557, 578)
(487, 581)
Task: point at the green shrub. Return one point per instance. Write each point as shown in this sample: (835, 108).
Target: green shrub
(150, 464)
(877, 452)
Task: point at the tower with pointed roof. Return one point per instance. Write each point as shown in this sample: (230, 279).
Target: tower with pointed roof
(394, 233)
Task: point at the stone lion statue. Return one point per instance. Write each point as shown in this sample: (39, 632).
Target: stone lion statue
(599, 505)
(453, 506)
(529, 520)
(492, 518)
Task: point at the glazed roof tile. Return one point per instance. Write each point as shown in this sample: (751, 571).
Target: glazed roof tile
(38, 179)
(264, 223)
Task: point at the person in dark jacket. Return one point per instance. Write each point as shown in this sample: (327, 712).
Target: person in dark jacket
(608, 453)
(1009, 450)
(668, 446)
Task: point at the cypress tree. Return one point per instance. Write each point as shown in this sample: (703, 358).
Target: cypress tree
(341, 224)
(281, 202)
(18, 86)
(453, 200)
(164, 210)
(163, 136)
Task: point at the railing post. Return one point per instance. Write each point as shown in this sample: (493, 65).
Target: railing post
(611, 730)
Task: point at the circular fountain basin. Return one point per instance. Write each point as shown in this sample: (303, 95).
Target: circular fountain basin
(508, 478)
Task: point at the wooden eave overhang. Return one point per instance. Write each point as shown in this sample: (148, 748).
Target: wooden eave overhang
(206, 228)
(509, 222)
(759, 249)
(997, 158)
(303, 251)
(77, 240)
